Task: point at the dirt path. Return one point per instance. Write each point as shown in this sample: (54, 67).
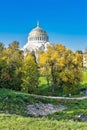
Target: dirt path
(53, 97)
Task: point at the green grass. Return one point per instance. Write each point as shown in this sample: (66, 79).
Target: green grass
(14, 116)
(85, 76)
(83, 84)
(14, 122)
(16, 103)
(11, 102)
(42, 80)
(44, 89)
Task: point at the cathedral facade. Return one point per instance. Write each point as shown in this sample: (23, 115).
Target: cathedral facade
(85, 60)
(37, 40)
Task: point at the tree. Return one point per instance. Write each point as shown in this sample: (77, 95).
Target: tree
(14, 45)
(11, 62)
(72, 73)
(1, 47)
(30, 74)
(50, 59)
(63, 66)
(79, 51)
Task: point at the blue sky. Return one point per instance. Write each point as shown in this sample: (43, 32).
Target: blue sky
(64, 20)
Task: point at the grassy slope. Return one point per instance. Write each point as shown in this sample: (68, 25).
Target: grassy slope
(85, 77)
(43, 88)
(15, 103)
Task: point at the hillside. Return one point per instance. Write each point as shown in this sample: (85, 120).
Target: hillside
(13, 109)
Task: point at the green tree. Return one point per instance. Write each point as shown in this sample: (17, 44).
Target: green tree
(14, 45)
(11, 62)
(79, 51)
(2, 47)
(30, 74)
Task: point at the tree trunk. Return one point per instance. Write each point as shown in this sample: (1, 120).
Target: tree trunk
(53, 80)
(53, 88)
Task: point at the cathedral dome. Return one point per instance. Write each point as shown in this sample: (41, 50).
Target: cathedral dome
(38, 34)
(37, 40)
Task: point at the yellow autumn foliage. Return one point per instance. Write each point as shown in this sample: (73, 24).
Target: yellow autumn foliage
(65, 66)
